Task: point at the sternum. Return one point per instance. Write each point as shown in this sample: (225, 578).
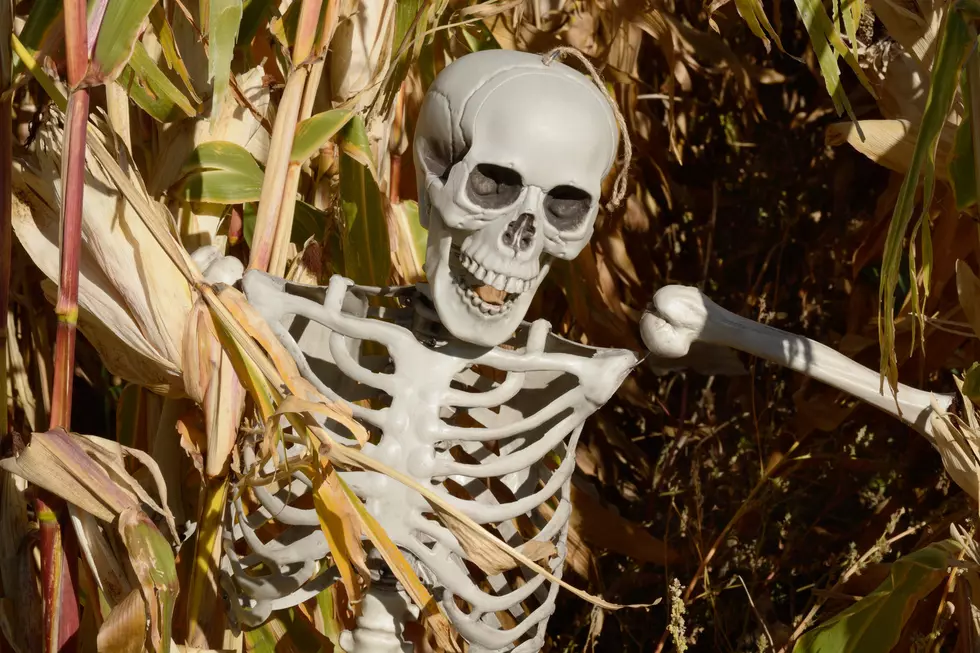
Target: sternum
(422, 379)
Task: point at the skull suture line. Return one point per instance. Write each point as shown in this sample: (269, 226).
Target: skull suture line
(511, 153)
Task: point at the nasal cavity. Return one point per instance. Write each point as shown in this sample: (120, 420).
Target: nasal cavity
(519, 234)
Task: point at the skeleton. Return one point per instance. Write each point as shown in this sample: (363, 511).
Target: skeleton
(458, 391)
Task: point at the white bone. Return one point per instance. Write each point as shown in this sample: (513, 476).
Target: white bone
(682, 315)
(549, 128)
(548, 388)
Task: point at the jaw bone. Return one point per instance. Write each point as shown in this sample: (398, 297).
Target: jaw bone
(680, 316)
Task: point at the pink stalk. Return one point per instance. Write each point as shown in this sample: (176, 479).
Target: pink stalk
(61, 619)
(73, 180)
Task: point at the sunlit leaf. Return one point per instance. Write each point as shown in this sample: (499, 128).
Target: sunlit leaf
(152, 561)
(478, 37)
(314, 132)
(432, 616)
(409, 254)
(152, 90)
(202, 586)
(221, 172)
(223, 21)
(827, 45)
(852, 11)
(971, 383)
(874, 624)
(286, 631)
(410, 22)
(341, 528)
(222, 155)
(165, 34)
(121, 27)
(755, 17)
(954, 44)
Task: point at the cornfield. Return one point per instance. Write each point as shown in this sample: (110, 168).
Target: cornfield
(811, 165)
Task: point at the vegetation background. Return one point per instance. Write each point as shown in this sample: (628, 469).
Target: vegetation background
(777, 153)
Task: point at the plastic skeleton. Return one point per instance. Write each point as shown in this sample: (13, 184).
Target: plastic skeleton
(458, 390)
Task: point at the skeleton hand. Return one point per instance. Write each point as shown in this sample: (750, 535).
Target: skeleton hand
(217, 268)
(681, 317)
(677, 317)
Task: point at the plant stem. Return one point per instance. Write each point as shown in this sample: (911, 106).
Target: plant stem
(73, 179)
(6, 191)
(61, 620)
(276, 170)
(287, 207)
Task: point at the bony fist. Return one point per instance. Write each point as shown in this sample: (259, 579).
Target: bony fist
(676, 319)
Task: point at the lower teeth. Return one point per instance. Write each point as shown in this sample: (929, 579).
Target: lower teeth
(475, 300)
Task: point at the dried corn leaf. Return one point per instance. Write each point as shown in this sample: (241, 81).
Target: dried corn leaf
(124, 631)
(432, 617)
(152, 561)
(54, 461)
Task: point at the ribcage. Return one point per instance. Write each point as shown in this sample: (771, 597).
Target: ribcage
(492, 430)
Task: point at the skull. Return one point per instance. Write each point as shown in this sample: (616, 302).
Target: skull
(511, 153)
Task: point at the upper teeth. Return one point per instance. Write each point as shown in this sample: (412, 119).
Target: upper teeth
(498, 280)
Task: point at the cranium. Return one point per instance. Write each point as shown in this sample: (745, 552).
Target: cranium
(511, 152)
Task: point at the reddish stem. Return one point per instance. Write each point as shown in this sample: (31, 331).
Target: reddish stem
(60, 626)
(61, 619)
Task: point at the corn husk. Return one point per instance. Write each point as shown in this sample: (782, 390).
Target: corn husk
(133, 301)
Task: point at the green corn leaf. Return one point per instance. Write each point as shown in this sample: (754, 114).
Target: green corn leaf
(851, 10)
(254, 13)
(367, 256)
(168, 43)
(874, 624)
(357, 146)
(152, 90)
(153, 564)
(755, 17)
(307, 221)
(331, 626)
(828, 46)
(223, 21)
(962, 171)
(222, 155)
(118, 35)
(411, 20)
(220, 187)
(286, 631)
(419, 235)
(220, 172)
(971, 383)
(954, 44)
(315, 131)
(962, 167)
(43, 29)
(478, 37)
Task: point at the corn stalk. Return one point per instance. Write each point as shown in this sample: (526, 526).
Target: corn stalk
(61, 619)
(277, 168)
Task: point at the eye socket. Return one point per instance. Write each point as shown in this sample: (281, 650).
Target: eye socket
(567, 207)
(493, 187)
